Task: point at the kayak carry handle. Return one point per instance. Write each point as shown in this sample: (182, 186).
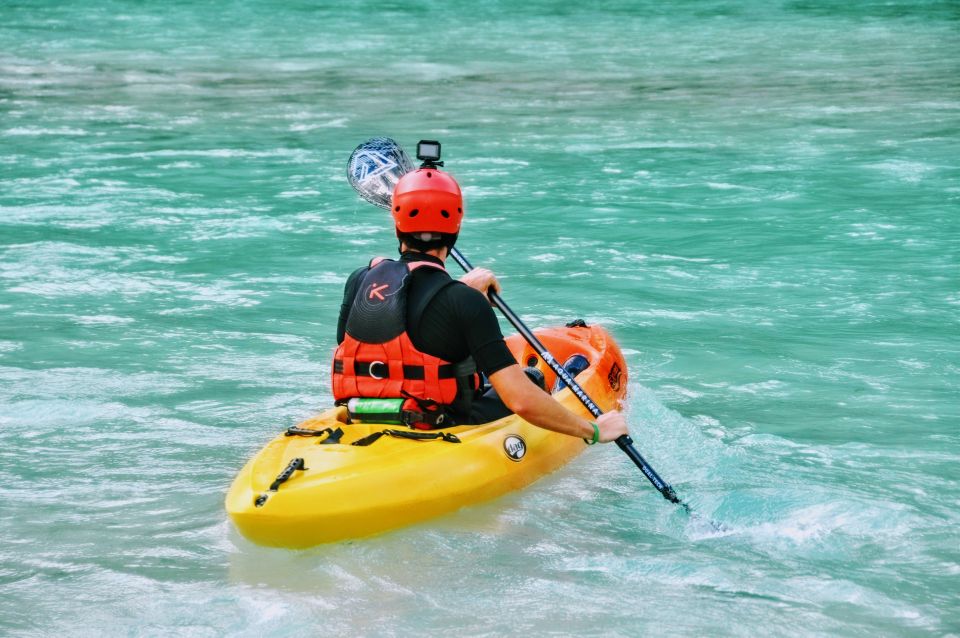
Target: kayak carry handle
(284, 476)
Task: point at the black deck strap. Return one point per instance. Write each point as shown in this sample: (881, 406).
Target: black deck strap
(295, 431)
(333, 436)
(423, 436)
(284, 476)
(367, 440)
(405, 434)
(577, 323)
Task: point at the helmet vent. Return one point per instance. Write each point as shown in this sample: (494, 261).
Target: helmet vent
(414, 212)
(397, 209)
(429, 174)
(445, 214)
(460, 210)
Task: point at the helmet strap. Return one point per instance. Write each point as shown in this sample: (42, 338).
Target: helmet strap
(416, 242)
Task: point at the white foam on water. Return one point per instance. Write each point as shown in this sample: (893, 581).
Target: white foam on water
(340, 122)
(179, 165)
(907, 171)
(760, 387)
(35, 131)
(594, 148)
(110, 320)
(547, 258)
(309, 192)
(492, 161)
(836, 486)
(663, 313)
(723, 186)
(696, 260)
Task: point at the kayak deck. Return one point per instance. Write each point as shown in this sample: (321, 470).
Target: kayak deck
(301, 490)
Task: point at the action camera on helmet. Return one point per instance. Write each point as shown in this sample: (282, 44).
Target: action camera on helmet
(428, 151)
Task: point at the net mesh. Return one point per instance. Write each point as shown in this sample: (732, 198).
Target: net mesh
(375, 167)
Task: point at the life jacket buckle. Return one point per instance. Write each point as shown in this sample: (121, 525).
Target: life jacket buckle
(423, 420)
(384, 367)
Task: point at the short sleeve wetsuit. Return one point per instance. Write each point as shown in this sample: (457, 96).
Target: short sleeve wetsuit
(457, 323)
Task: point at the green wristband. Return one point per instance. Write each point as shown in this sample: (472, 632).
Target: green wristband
(596, 434)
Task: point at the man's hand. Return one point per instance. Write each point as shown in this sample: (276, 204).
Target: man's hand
(612, 426)
(481, 279)
(531, 403)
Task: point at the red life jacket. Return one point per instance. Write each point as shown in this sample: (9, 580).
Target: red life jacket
(377, 359)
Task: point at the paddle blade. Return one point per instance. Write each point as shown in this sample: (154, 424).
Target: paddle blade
(375, 167)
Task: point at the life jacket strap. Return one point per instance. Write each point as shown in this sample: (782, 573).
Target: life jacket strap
(430, 414)
(381, 370)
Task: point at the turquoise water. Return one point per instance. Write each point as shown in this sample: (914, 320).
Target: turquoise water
(759, 199)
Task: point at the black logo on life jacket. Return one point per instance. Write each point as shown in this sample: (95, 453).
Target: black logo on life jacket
(515, 447)
(615, 378)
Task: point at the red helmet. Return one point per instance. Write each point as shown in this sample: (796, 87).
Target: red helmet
(427, 200)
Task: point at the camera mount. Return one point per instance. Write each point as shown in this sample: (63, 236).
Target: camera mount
(428, 151)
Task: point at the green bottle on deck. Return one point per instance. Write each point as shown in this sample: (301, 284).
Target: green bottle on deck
(386, 411)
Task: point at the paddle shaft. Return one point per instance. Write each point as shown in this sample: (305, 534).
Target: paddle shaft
(624, 442)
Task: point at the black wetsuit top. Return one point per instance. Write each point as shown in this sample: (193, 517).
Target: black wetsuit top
(458, 323)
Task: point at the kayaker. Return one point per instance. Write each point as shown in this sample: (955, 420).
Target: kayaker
(408, 330)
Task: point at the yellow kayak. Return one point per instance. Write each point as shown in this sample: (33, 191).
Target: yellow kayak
(313, 485)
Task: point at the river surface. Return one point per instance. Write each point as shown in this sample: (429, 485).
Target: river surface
(759, 199)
